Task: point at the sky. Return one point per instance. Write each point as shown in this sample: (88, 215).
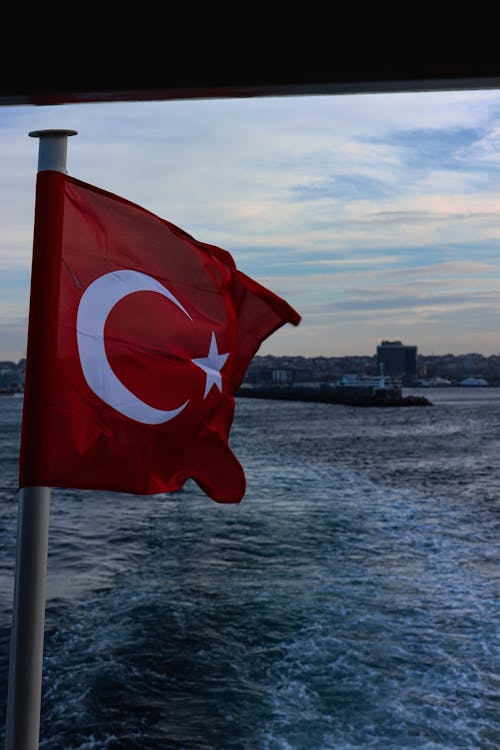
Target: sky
(376, 216)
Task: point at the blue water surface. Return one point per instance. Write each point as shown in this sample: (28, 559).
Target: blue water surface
(351, 601)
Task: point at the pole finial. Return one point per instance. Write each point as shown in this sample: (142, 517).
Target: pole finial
(52, 148)
(51, 133)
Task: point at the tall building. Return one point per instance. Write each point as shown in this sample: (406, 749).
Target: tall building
(398, 360)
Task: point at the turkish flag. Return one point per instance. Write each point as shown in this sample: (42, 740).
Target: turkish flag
(139, 336)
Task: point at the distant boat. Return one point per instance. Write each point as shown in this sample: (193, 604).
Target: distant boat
(474, 382)
(433, 382)
(363, 385)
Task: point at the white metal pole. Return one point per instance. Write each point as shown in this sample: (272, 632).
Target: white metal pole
(28, 614)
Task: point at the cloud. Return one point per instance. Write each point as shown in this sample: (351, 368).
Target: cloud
(356, 208)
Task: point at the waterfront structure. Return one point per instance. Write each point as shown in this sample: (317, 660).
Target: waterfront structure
(11, 377)
(398, 360)
(281, 376)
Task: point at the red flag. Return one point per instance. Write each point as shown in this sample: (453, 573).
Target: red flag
(139, 337)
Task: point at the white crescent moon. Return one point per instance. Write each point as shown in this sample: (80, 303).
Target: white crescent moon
(95, 305)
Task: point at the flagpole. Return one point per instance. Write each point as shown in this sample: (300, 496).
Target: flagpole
(28, 613)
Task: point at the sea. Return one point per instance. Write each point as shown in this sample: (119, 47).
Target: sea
(351, 601)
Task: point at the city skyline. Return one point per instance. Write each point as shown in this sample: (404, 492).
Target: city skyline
(376, 216)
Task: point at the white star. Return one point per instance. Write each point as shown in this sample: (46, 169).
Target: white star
(212, 365)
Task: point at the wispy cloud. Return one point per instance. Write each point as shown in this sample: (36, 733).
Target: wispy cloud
(374, 215)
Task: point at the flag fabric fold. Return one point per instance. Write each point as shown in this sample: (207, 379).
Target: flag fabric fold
(139, 337)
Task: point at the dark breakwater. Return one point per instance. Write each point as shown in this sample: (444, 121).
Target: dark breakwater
(333, 396)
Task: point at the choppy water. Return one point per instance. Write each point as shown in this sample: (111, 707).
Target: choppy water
(352, 601)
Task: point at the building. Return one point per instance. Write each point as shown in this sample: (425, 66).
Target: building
(281, 377)
(398, 360)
